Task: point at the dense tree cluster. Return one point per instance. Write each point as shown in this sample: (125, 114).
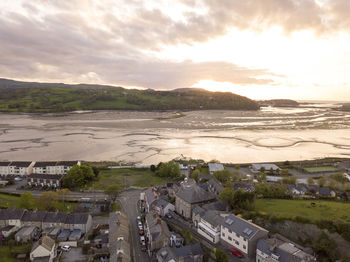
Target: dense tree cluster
(168, 169)
(238, 199)
(78, 176)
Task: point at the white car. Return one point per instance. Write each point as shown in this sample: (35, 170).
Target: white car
(66, 248)
(142, 240)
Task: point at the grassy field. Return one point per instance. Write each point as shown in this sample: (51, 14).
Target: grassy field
(320, 169)
(322, 210)
(10, 201)
(9, 255)
(128, 177)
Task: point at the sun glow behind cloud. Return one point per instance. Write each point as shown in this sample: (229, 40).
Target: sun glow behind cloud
(235, 46)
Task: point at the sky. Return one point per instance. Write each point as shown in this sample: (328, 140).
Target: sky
(262, 49)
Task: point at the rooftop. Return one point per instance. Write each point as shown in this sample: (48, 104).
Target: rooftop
(194, 194)
(213, 167)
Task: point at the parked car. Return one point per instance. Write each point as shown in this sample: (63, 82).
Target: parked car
(167, 215)
(66, 248)
(143, 248)
(141, 231)
(142, 240)
(236, 253)
(18, 178)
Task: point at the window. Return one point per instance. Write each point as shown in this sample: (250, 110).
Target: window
(230, 231)
(244, 247)
(230, 238)
(223, 234)
(236, 242)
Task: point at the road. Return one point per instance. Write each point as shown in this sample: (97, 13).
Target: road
(74, 196)
(129, 200)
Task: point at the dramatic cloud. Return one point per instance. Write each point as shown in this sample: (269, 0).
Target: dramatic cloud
(117, 42)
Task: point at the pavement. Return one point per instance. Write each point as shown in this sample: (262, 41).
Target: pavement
(129, 200)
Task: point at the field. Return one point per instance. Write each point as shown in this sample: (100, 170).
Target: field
(10, 201)
(128, 177)
(322, 210)
(8, 254)
(321, 169)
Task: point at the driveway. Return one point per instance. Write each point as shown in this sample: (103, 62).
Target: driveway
(75, 254)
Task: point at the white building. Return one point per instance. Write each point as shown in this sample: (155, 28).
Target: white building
(4, 168)
(20, 168)
(256, 168)
(44, 248)
(54, 168)
(208, 223)
(162, 207)
(242, 234)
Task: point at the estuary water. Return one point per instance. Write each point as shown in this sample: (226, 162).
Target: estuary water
(271, 134)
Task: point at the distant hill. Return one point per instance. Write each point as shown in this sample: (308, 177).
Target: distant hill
(16, 96)
(279, 103)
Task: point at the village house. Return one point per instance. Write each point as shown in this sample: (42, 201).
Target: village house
(208, 223)
(157, 232)
(190, 195)
(241, 234)
(34, 218)
(190, 253)
(54, 219)
(256, 168)
(82, 221)
(11, 217)
(45, 248)
(172, 188)
(277, 248)
(4, 168)
(44, 180)
(7, 230)
(149, 197)
(162, 207)
(245, 187)
(213, 167)
(215, 187)
(54, 167)
(20, 168)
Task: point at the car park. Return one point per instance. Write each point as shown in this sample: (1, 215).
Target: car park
(236, 253)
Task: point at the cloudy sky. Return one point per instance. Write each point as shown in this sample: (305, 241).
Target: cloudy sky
(297, 49)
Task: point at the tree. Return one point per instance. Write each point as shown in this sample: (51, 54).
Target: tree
(220, 255)
(284, 172)
(78, 176)
(26, 200)
(47, 201)
(195, 175)
(153, 168)
(113, 191)
(238, 199)
(63, 193)
(223, 176)
(169, 169)
(261, 177)
(310, 181)
(322, 182)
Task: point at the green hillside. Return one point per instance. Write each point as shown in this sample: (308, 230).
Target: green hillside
(17, 97)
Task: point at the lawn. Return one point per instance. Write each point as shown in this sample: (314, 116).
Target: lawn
(322, 210)
(128, 177)
(10, 255)
(320, 169)
(10, 201)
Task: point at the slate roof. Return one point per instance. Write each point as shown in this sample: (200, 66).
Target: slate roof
(34, 216)
(212, 217)
(5, 163)
(267, 167)
(77, 218)
(220, 205)
(160, 203)
(150, 195)
(190, 250)
(46, 242)
(325, 191)
(194, 194)
(198, 210)
(45, 176)
(21, 164)
(55, 217)
(286, 252)
(241, 226)
(44, 164)
(213, 167)
(203, 177)
(6, 214)
(216, 184)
